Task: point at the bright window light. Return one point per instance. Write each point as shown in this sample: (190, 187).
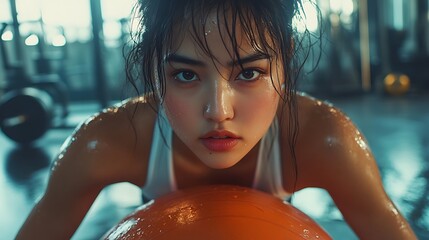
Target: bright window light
(347, 7)
(308, 19)
(342, 6)
(66, 13)
(7, 36)
(28, 10)
(59, 41)
(32, 40)
(112, 30)
(117, 9)
(398, 14)
(5, 11)
(335, 5)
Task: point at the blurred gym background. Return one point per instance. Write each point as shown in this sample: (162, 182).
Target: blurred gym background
(62, 60)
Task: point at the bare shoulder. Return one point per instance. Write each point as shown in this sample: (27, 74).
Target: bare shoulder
(328, 143)
(322, 116)
(135, 115)
(331, 153)
(110, 146)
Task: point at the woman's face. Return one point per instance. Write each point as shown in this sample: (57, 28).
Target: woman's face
(216, 108)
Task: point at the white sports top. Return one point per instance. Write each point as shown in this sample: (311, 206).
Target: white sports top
(161, 179)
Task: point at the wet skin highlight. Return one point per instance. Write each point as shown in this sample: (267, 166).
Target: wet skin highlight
(215, 93)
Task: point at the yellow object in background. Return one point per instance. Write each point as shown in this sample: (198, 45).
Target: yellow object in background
(396, 84)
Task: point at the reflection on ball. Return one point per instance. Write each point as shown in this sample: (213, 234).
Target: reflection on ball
(396, 84)
(217, 212)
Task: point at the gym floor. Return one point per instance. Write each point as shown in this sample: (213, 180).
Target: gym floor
(397, 129)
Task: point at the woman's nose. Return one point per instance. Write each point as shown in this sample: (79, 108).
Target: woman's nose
(219, 104)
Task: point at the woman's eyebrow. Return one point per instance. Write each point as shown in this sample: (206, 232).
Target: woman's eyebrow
(177, 58)
(250, 58)
(183, 59)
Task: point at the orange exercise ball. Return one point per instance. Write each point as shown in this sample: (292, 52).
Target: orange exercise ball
(217, 212)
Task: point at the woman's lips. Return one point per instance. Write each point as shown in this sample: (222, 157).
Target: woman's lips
(220, 144)
(220, 141)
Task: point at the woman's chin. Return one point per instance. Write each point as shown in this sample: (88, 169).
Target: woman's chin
(220, 161)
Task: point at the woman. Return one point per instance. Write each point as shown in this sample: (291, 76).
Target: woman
(220, 108)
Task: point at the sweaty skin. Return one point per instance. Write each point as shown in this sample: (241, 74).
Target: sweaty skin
(330, 154)
(203, 95)
(114, 145)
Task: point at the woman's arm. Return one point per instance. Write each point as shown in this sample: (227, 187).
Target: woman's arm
(107, 149)
(59, 212)
(335, 156)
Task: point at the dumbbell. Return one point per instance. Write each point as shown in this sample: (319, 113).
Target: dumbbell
(26, 114)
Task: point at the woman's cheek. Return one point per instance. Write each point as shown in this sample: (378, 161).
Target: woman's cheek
(178, 109)
(266, 101)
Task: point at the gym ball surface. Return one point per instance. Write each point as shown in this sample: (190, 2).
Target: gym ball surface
(217, 212)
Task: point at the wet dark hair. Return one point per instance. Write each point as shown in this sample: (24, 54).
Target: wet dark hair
(268, 26)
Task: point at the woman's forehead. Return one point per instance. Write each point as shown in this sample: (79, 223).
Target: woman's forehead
(217, 36)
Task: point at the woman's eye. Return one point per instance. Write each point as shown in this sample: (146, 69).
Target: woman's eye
(249, 75)
(186, 76)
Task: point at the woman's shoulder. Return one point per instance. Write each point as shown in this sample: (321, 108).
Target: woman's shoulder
(131, 108)
(315, 120)
(136, 113)
(327, 138)
(320, 115)
(323, 124)
(112, 145)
